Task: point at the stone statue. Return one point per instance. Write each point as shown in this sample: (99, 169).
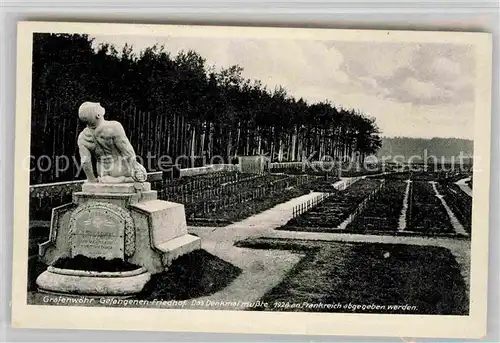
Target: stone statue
(116, 215)
(106, 140)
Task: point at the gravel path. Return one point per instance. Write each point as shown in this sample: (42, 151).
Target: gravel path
(262, 269)
(454, 221)
(404, 210)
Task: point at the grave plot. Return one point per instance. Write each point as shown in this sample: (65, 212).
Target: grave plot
(426, 213)
(327, 169)
(383, 213)
(424, 175)
(299, 168)
(174, 189)
(222, 199)
(385, 278)
(459, 202)
(338, 207)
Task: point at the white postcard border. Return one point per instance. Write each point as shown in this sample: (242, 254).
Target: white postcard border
(36, 316)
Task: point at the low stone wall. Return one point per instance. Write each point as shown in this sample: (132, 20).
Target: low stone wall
(346, 182)
(208, 169)
(279, 165)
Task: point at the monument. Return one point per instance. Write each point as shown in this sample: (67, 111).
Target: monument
(115, 217)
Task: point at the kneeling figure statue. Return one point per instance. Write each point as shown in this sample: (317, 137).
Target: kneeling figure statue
(106, 140)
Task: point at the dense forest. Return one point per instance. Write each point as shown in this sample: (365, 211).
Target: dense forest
(441, 148)
(178, 106)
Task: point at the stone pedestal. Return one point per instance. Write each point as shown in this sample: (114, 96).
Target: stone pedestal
(124, 221)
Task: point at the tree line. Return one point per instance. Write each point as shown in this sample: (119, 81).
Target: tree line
(179, 105)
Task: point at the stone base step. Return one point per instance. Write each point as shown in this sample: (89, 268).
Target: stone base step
(179, 246)
(78, 282)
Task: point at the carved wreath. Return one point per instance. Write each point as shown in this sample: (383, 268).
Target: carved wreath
(117, 210)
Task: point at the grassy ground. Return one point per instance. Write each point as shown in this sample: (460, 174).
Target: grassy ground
(37, 235)
(426, 279)
(190, 276)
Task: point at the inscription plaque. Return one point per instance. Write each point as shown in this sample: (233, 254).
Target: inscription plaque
(97, 231)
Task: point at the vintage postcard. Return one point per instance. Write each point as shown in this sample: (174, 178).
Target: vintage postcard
(252, 180)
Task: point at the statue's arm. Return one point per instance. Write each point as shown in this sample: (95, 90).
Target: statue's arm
(86, 159)
(127, 151)
(122, 143)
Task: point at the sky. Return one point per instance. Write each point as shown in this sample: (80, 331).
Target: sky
(414, 90)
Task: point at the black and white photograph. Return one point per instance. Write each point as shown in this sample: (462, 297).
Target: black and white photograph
(239, 172)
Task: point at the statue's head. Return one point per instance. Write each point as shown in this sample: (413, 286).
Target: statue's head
(91, 113)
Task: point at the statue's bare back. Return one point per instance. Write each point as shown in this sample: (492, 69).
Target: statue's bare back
(108, 143)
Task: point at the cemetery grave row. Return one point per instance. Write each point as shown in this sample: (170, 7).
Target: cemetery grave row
(198, 182)
(47, 196)
(422, 175)
(329, 169)
(336, 208)
(384, 213)
(221, 198)
(204, 195)
(427, 214)
(459, 202)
